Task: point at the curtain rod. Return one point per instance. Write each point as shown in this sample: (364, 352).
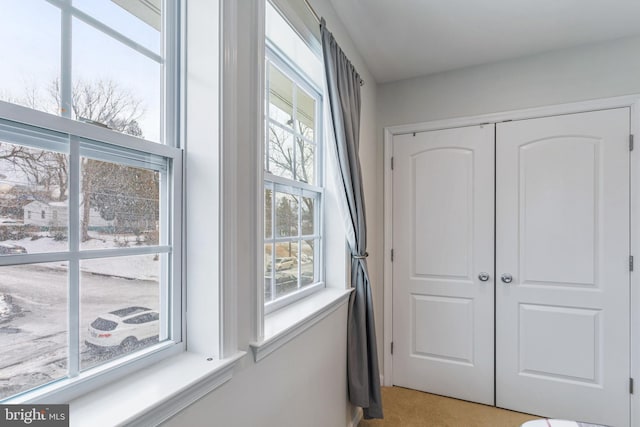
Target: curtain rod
(312, 10)
(315, 15)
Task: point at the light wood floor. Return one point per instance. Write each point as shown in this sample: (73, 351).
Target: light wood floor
(410, 408)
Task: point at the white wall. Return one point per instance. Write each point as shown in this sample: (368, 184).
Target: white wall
(303, 382)
(589, 72)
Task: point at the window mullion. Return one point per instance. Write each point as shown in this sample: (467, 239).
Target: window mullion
(266, 163)
(66, 46)
(74, 258)
(273, 245)
(165, 239)
(299, 266)
(294, 117)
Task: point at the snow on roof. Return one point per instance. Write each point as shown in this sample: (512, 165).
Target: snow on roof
(51, 204)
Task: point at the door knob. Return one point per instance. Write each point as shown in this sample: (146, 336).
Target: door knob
(483, 276)
(506, 278)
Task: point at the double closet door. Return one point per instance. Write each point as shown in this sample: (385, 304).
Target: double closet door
(511, 265)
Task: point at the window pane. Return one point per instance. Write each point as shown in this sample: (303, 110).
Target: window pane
(281, 152)
(280, 33)
(308, 216)
(33, 336)
(307, 259)
(33, 200)
(112, 291)
(268, 271)
(114, 85)
(280, 97)
(306, 114)
(305, 161)
(286, 268)
(30, 30)
(268, 213)
(137, 20)
(286, 215)
(123, 208)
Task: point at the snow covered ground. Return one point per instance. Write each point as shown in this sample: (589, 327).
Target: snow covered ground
(5, 307)
(34, 334)
(140, 267)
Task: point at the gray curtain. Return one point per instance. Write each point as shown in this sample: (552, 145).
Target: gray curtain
(343, 93)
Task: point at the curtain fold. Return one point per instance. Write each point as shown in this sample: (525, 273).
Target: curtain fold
(344, 102)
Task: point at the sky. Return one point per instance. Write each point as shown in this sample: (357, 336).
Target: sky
(30, 57)
(283, 36)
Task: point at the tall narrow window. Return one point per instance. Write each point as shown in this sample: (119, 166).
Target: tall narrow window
(293, 181)
(91, 279)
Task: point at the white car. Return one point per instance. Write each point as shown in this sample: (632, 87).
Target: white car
(11, 249)
(125, 328)
(283, 263)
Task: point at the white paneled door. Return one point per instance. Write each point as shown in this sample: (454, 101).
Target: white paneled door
(558, 302)
(562, 247)
(443, 284)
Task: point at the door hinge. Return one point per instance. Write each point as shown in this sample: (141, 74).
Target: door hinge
(630, 385)
(391, 347)
(391, 255)
(631, 263)
(631, 142)
(392, 163)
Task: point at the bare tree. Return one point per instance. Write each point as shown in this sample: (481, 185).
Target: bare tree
(101, 102)
(284, 160)
(296, 162)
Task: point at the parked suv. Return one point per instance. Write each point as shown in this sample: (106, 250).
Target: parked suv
(125, 328)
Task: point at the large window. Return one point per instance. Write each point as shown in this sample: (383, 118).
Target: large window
(89, 199)
(293, 181)
(99, 61)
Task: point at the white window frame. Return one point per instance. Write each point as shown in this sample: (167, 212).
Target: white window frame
(78, 382)
(274, 56)
(275, 329)
(85, 139)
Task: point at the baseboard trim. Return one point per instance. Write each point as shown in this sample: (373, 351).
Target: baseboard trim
(357, 417)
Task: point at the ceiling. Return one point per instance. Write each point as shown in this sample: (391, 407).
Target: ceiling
(401, 39)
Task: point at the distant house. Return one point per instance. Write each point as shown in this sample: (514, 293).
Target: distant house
(56, 214)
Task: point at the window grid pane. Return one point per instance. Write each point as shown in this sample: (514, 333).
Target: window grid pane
(290, 152)
(292, 248)
(53, 66)
(118, 77)
(32, 211)
(120, 205)
(293, 165)
(34, 346)
(110, 304)
(31, 61)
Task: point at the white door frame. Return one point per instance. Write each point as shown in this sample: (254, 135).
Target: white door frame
(631, 101)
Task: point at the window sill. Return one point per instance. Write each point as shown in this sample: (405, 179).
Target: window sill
(283, 325)
(154, 394)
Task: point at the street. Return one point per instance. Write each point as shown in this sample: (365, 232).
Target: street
(34, 322)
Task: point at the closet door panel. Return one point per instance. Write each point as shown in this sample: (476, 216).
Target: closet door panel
(562, 238)
(443, 191)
